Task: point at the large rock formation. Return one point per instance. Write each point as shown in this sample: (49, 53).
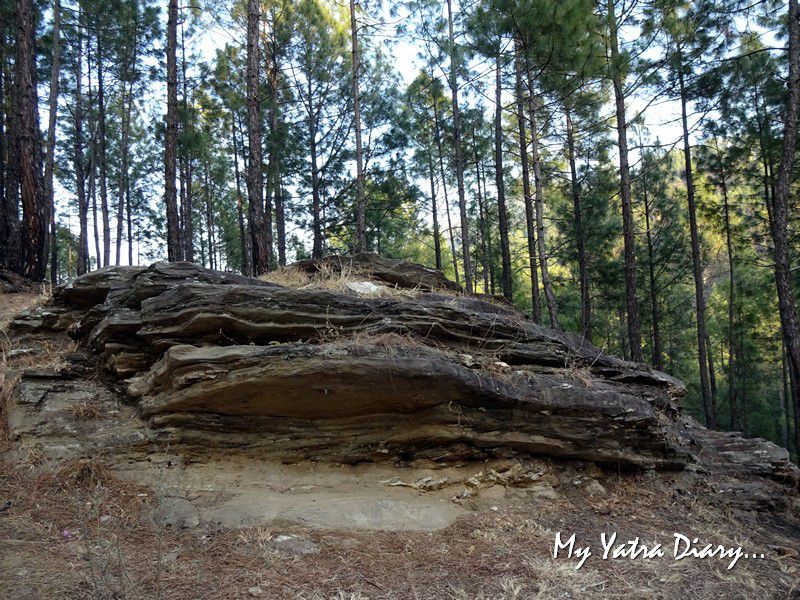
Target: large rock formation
(202, 360)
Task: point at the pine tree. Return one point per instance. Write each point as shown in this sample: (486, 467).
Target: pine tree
(174, 249)
(255, 191)
(617, 69)
(32, 194)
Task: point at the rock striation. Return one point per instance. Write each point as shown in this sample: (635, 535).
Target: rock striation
(203, 360)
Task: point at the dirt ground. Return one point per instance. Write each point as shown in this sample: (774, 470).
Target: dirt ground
(82, 533)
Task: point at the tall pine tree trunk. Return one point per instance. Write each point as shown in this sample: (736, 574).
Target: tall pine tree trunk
(124, 186)
(93, 154)
(128, 218)
(212, 262)
(82, 264)
(187, 229)
(731, 292)
(361, 201)
(10, 216)
(438, 139)
(780, 236)
(526, 186)
(174, 251)
(280, 222)
(541, 239)
(121, 176)
(316, 202)
(55, 74)
(459, 158)
(783, 392)
(437, 247)
(274, 157)
(482, 224)
(580, 232)
(101, 117)
(246, 256)
(634, 327)
(488, 233)
(697, 264)
(34, 205)
(657, 354)
(93, 186)
(3, 144)
(499, 178)
(255, 188)
(126, 161)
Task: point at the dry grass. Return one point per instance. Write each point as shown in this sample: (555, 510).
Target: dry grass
(81, 533)
(83, 472)
(328, 277)
(332, 278)
(388, 342)
(84, 411)
(13, 304)
(288, 277)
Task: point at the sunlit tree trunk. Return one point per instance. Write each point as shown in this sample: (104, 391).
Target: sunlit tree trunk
(697, 264)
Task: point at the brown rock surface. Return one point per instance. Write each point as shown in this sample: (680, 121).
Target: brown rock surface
(205, 362)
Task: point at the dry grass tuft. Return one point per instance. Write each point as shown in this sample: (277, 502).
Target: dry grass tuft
(13, 304)
(383, 341)
(84, 472)
(330, 277)
(85, 411)
(287, 277)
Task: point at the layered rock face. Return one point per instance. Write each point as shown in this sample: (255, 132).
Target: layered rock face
(208, 360)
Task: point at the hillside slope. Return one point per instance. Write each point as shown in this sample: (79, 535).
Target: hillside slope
(366, 431)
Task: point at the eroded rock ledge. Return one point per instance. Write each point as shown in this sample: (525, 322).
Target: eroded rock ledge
(207, 360)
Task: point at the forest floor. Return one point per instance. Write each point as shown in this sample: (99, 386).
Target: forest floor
(82, 530)
(82, 533)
